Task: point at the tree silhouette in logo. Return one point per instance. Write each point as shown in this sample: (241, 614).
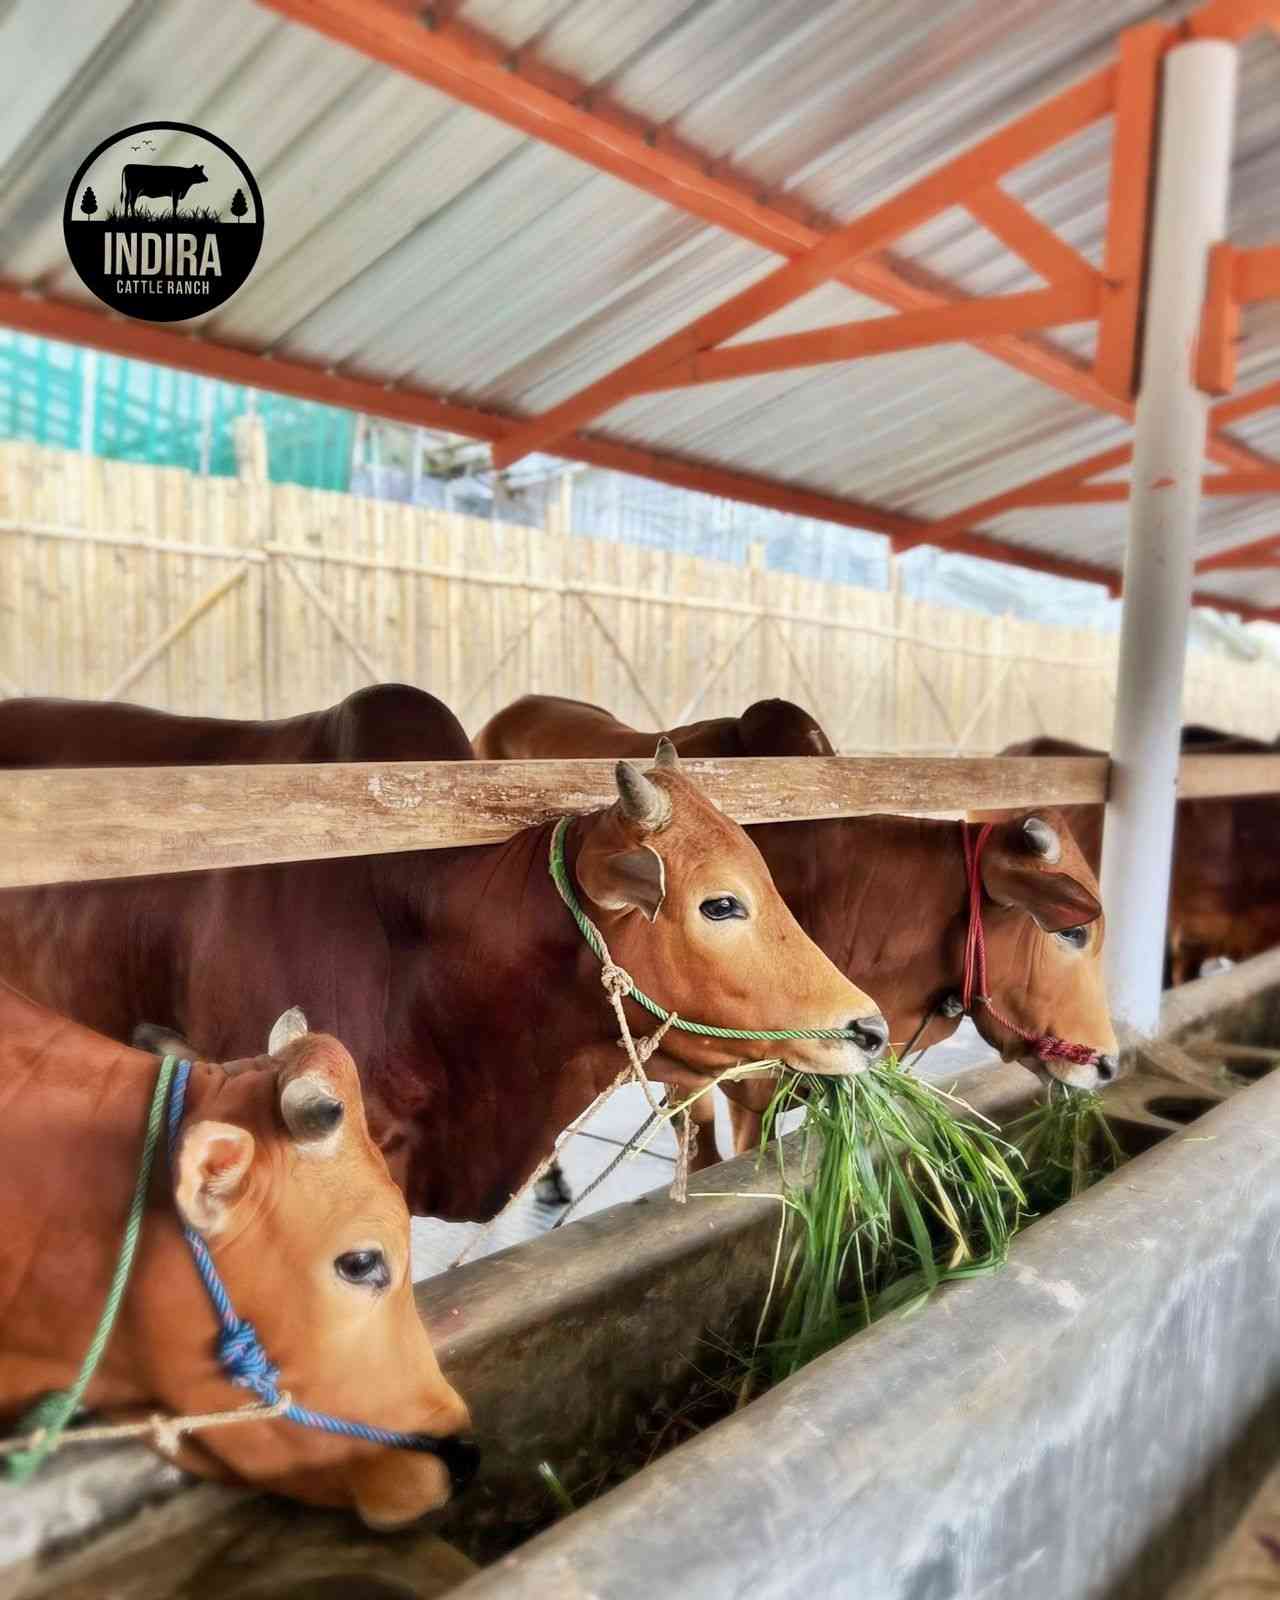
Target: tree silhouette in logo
(239, 205)
(88, 202)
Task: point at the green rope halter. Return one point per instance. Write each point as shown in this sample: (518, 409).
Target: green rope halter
(49, 1417)
(560, 877)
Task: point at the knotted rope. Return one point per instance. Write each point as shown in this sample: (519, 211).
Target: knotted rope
(43, 1429)
(618, 986)
(617, 981)
(1045, 1046)
(239, 1350)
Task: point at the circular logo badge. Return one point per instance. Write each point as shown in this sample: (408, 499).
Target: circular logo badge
(163, 221)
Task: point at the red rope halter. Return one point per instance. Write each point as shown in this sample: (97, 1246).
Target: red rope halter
(1045, 1046)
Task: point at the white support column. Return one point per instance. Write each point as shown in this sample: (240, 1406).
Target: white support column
(1194, 165)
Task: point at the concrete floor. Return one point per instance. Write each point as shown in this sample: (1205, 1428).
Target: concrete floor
(436, 1245)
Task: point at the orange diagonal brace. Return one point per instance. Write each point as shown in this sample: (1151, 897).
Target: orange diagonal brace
(949, 529)
(1128, 205)
(1023, 233)
(1242, 483)
(1039, 130)
(1101, 494)
(1244, 405)
(1245, 557)
(1014, 313)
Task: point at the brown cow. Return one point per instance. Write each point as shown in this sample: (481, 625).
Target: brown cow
(457, 977)
(1224, 889)
(767, 728)
(278, 1174)
(888, 896)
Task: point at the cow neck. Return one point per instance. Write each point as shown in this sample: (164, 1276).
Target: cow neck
(509, 1014)
(103, 1094)
(886, 899)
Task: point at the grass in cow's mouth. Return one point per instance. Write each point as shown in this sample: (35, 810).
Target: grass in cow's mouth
(1067, 1144)
(905, 1193)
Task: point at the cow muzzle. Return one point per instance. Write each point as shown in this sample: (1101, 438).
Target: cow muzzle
(398, 1489)
(1085, 1076)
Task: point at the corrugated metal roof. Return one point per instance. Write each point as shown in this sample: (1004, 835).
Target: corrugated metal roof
(415, 241)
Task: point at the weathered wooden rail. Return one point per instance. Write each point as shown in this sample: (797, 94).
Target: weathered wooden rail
(70, 825)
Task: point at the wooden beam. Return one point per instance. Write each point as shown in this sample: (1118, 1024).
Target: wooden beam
(62, 826)
(206, 602)
(68, 825)
(1203, 777)
(981, 165)
(910, 330)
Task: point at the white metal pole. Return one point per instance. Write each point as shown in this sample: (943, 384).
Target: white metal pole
(1194, 165)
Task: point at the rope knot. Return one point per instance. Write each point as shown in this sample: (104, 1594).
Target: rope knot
(245, 1362)
(616, 980)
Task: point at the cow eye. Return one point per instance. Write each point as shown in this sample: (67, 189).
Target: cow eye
(723, 908)
(368, 1268)
(1077, 938)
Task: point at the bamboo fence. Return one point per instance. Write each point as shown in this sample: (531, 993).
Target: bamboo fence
(236, 597)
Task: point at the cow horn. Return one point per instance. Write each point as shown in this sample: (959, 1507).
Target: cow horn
(288, 1026)
(1043, 839)
(309, 1108)
(642, 802)
(667, 756)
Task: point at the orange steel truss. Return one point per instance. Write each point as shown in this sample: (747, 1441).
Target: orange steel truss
(432, 44)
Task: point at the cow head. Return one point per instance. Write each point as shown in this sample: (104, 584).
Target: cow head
(198, 174)
(687, 906)
(311, 1239)
(1044, 931)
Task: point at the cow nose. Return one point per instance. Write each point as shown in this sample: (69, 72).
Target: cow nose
(1107, 1067)
(871, 1035)
(462, 1459)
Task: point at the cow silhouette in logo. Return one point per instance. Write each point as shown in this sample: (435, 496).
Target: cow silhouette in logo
(154, 182)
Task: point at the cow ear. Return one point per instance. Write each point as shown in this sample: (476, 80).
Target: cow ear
(625, 880)
(1019, 871)
(213, 1166)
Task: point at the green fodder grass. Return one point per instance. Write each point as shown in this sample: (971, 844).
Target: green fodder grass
(1067, 1144)
(905, 1193)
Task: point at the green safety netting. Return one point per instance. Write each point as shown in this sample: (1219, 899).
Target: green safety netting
(60, 395)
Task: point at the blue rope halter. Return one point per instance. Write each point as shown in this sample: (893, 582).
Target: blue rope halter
(246, 1363)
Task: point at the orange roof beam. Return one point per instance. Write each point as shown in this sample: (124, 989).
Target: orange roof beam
(460, 61)
(1098, 494)
(1054, 488)
(124, 336)
(1258, 553)
(981, 165)
(910, 330)
(1232, 19)
(1124, 262)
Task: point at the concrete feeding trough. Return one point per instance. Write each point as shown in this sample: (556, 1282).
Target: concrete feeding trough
(1092, 1419)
